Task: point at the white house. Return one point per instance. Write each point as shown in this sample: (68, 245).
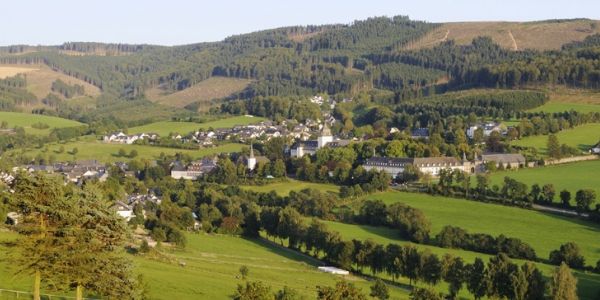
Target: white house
(487, 128)
(123, 210)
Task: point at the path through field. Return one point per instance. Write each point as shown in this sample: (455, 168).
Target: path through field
(445, 38)
(514, 42)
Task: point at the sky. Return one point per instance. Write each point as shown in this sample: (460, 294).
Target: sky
(176, 22)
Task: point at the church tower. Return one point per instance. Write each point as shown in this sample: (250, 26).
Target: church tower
(325, 137)
(251, 160)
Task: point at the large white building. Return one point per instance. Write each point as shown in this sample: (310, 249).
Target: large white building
(429, 165)
(302, 148)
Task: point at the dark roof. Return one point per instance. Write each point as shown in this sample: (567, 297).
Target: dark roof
(306, 144)
(388, 161)
(419, 132)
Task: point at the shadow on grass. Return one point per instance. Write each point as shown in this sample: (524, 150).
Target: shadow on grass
(290, 254)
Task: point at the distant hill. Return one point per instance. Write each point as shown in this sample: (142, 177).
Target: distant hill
(404, 58)
(542, 35)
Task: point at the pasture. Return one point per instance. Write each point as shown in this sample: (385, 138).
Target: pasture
(26, 121)
(588, 284)
(201, 93)
(559, 107)
(284, 188)
(544, 232)
(89, 147)
(581, 137)
(211, 269)
(164, 128)
(572, 176)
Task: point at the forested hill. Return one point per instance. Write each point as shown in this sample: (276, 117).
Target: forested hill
(344, 60)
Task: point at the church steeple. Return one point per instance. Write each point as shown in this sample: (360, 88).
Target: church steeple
(251, 162)
(325, 137)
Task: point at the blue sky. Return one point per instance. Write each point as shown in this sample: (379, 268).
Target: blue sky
(173, 22)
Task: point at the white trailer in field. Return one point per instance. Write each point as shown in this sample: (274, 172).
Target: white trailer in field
(333, 270)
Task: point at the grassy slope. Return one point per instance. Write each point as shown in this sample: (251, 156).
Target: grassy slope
(40, 78)
(545, 232)
(90, 148)
(284, 188)
(204, 92)
(572, 177)
(588, 284)
(165, 127)
(533, 35)
(559, 107)
(212, 267)
(26, 120)
(582, 137)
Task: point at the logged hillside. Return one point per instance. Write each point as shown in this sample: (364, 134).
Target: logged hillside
(544, 35)
(199, 94)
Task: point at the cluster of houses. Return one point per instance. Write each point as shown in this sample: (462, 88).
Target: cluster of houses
(125, 208)
(325, 139)
(73, 172)
(122, 138)
(193, 170)
(433, 165)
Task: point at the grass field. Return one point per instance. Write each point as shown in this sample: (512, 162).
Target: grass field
(163, 128)
(90, 147)
(212, 269)
(544, 232)
(203, 92)
(572, 177)
(559, 107)
(10, 71)
(41, 77)
(588, 285)
(284, 188)
(511, 35)
(26, 120)
(581, 137)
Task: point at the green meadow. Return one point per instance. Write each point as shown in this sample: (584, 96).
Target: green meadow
(211, 269)
(24, 120)
(283, 188)
(571, 177)
(559, 107)
(164, 128)
(582, 137)
(543, 231)
(90, 147)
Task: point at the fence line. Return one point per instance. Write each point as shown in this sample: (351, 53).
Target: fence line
(24, 295)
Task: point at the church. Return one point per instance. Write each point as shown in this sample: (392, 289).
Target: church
(301, 148)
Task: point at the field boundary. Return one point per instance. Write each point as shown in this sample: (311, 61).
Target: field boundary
(49, 296)
(567, 160)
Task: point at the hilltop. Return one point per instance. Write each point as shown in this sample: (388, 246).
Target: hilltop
(396, 56)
